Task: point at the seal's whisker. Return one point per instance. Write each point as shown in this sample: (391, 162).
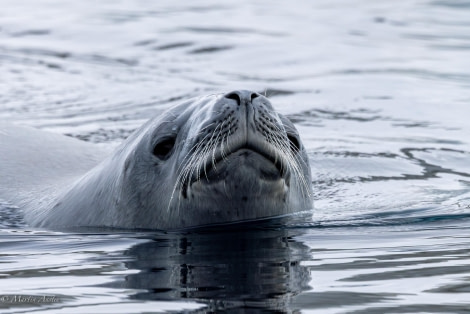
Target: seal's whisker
(195, 136)
(286, 149)
(203, 161)
(202, 155)
(210, 145)
(185, 168)
(198, 157)
(292, 161)
(216, 142)
(192, 153)
(222, 148)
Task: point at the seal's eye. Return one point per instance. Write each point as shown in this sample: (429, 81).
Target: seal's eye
(164, 148)
(294, 142)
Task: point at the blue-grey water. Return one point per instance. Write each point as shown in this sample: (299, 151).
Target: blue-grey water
(379, 90)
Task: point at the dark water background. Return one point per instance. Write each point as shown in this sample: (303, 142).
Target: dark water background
(379, 90)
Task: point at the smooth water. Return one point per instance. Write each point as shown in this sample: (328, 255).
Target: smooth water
(379, 90)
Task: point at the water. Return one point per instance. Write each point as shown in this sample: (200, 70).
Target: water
(379, 90)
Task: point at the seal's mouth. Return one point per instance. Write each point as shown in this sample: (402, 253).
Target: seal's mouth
(266, 159)
(250, 163)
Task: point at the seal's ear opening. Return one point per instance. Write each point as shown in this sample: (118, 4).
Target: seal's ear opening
(164, 147)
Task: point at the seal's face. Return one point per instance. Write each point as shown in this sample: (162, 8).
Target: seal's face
(220, 159)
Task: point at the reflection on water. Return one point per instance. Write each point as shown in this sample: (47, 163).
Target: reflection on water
(378, 90)
(240, 270)
(228, 271)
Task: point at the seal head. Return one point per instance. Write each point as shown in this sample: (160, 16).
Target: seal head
(214, 160)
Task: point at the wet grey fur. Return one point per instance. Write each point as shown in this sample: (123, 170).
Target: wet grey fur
(233, 159)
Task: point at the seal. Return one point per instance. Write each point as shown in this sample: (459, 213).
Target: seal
(212, 160)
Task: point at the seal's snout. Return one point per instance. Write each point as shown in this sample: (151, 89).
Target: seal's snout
(244, 135)
(242, 155)
(242, 96)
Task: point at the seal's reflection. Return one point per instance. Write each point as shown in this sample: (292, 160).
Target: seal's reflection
(227, 270)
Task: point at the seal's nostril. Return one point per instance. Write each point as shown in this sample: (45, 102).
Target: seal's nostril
(234, 96)
(254, 95)
(242, 96)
